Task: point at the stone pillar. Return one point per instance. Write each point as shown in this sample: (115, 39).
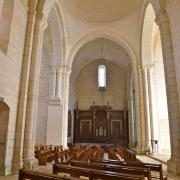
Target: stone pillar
(53, 83)
(146, 92)
(149, 80)
(24, 83)
(65, 85)
(172, 93)
(58, 83)
(132, 140)
(140, 111)
(56, 122)
(29, 137)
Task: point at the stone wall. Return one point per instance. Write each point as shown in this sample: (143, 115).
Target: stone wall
(87, 86)
(173, 9)
(43, 100)
(10, 72)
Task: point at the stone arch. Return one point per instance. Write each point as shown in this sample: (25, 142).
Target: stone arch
(56, 35)
(154, 79)
(49, 80)
(132, 114)
(53, 14)
(147, 36)
(103, 33)
(4, 120)
(136, 66)
(6, 8)
(162, 9)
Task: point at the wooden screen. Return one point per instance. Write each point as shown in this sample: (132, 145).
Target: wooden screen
(101, 124)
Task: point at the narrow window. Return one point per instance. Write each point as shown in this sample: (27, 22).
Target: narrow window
(102, 77)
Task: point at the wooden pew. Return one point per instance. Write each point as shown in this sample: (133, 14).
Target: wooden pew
(45, 156)
(87, 155)
(114, 168)
(33, 175)
(44, 153)
(98, 152)
(110, 161)
(94, 174)
(113, 155)
(153, 167)
(126, 154)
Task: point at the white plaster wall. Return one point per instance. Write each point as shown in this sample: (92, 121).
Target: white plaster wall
(87, 86)
(10, 71)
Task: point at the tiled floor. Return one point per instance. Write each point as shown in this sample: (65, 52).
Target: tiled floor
(150, 160)
(161, 157)
(11, 177)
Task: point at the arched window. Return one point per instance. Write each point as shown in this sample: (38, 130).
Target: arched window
(102, 77)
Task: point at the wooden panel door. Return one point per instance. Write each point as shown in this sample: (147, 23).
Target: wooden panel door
(85, 129)
(100, 126)
(116, 131)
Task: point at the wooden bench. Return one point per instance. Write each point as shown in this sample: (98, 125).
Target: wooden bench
(45, 156)
(63, 157)
(94, 174)
(109, 161)
(153, 167)
(113, 155)
(115, 168)
(126, 154)
(34, 175)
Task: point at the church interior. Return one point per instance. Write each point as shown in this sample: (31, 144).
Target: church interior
(89, 89)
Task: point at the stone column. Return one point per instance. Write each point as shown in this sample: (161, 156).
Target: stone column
(54, 134)
(58, 83)
(146, 92)
(29, 137)
(65, 85)
(140, 111)
(172, 93)
(24, 83)
(149, 79)
(53, 83)
(131, 122)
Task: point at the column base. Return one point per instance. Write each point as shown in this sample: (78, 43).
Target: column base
(173, 167)
(140, 150)
(17, 164)
(30, 163)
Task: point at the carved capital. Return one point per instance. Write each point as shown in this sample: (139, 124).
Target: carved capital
(64, 70)
(161, 16)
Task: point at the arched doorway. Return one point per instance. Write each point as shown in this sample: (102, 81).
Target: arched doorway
(4, 119)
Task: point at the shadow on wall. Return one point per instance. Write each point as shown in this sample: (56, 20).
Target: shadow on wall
(4, 119)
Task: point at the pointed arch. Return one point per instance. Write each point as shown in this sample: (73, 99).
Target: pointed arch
(154, 84)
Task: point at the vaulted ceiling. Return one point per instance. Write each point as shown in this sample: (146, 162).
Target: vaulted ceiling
(100, 49)
(100, 11)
